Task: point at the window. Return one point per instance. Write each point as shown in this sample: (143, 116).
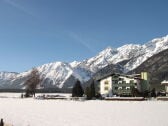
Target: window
(115, 82)
(106, 82)
(131, 81)
(106, 88)
(116, 88)
(124, 82)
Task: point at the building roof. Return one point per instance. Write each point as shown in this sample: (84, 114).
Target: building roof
(105, 76)
(108, 75)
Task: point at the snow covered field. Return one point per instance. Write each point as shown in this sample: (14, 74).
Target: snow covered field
(32, 112)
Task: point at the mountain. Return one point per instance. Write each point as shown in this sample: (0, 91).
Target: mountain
(54, 75)
(130, 56)
(6, 77)
(63, 75)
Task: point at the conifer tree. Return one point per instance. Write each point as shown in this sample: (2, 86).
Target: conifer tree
(77, 90)
(92, 89)
(88, 93)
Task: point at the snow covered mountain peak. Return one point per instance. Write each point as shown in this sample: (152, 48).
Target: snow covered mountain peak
(53, 66)
(74, 64)
(108, 51)
(128, 47)
(132, 54)
(126, 52)
(160, 40)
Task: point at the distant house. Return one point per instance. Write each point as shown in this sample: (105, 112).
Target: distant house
(165, 83)
(122, 85)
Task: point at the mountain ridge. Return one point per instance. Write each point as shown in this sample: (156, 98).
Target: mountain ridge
(57, 74)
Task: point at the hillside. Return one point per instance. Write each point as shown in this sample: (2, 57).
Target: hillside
(157, 66)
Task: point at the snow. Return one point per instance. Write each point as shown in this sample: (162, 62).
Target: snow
(135, 54)
(164, 82)
(74, 64)
(8, 75)
(32, 112)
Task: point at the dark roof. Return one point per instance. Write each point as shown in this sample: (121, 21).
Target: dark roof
(107, 75)
(112, 74)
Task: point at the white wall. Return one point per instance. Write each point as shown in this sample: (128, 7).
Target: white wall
(109, 85)
(166, 88)
(103, 85)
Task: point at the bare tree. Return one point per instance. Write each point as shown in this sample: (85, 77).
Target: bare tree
(32, 82)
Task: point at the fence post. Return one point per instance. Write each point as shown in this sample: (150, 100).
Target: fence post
(1, 123)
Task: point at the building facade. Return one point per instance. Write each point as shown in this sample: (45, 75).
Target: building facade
(122, 85)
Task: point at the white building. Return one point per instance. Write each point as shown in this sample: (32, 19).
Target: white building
(165, 83)
(106, 86)
(116, 84)
(123, 85)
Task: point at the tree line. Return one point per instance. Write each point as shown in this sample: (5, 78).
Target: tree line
(77, 91)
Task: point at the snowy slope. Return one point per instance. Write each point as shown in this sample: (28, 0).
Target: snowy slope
(109, 56)
(8, 75)
(54, 75)
(147, 50)
(135, 54)
(60, 74)
(6, 78)
(57, 73)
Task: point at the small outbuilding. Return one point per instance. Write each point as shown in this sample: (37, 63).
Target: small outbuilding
(165, 83)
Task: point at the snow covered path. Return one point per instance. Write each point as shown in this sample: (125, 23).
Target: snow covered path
(31, 112)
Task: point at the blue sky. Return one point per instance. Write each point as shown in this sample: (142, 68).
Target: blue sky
(34, 32)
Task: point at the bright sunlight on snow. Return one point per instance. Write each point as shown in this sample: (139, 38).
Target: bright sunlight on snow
(33, 112)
